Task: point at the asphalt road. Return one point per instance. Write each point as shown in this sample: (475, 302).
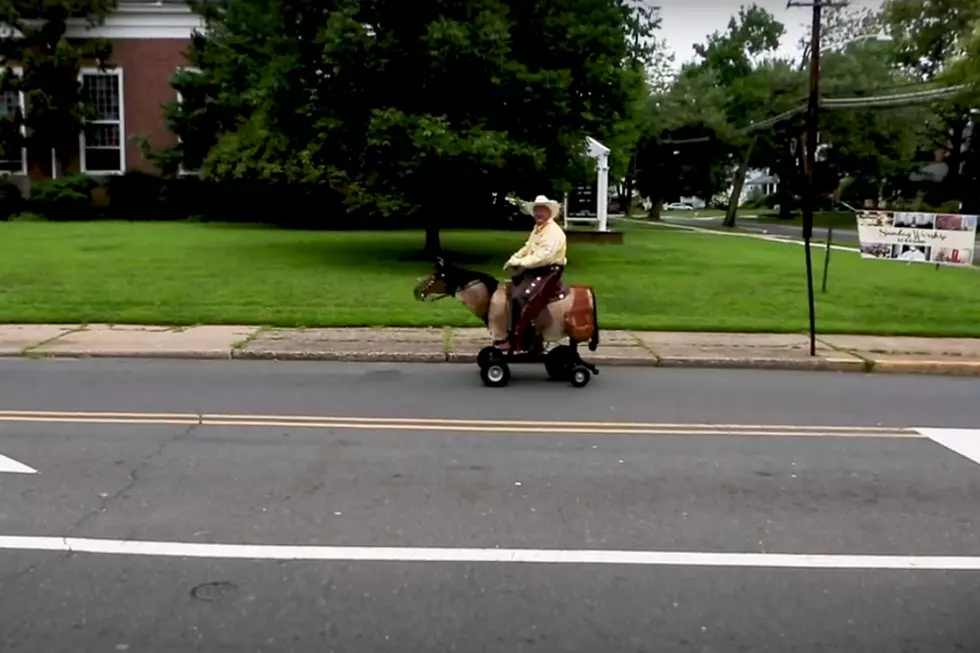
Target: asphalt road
(844, 236)
(498, 536)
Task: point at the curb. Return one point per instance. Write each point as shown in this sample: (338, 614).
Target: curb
(948, 367)
(929, 367)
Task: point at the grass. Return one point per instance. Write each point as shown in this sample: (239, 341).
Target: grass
(179, 274)
(821, 219)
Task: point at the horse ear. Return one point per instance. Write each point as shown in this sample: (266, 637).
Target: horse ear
(440, 263)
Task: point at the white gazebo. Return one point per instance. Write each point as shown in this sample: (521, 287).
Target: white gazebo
(600, 153)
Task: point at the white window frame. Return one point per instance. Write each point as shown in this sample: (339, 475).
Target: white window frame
(117, 71)
(23, 131)
(181, 171)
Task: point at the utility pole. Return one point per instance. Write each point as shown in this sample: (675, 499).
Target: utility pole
(812, 125)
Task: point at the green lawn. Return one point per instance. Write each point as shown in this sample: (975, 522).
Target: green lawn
(174, 273)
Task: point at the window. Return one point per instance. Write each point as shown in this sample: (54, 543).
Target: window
(181, 170)
(102, 141)
(10, 103)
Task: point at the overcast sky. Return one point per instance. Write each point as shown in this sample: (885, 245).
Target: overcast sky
(686, 22)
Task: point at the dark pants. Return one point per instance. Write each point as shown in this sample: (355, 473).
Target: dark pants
(533, 290)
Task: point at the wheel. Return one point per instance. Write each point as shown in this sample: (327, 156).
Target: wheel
(495, 374)
(486, 355)
(581, 376)
(558, 362)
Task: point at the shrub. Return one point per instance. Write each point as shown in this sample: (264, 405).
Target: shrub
(28, 217)
(136, 196)
(68, 198)
(950, 206)
(11, 199)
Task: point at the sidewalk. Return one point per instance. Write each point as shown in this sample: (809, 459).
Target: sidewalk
(953, 356)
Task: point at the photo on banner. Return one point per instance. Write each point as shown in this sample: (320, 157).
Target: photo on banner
(915, 237)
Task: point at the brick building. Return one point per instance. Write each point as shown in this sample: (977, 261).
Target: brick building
(149, 39)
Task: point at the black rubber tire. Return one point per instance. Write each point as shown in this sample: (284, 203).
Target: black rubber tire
(559, 362)
(486, 355)
(495, 374)
(580, 376)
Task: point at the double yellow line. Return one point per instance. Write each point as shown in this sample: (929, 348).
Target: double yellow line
(452, 425)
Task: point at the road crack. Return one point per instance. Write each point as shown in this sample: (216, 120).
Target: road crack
(9, 580)
(133, 476)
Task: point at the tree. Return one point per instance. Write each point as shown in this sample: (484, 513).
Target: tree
(56, 105)
(423, 108)
(928, 37)
(757, 85)
(872, 146)
(682, 152)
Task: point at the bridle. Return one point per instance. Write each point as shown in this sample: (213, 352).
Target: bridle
(443, 295)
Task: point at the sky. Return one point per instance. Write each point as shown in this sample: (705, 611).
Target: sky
(686, 22)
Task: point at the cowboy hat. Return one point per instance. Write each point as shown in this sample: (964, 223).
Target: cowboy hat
(542, 200)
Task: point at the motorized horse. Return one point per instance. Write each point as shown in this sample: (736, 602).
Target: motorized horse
(570, 313)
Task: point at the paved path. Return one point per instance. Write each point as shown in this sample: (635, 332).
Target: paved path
(840, 353)
(499, 537)
(848, 236)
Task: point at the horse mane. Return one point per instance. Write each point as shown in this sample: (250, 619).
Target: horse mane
(460, 277)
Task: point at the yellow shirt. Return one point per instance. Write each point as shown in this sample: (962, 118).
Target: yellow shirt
(545, 246)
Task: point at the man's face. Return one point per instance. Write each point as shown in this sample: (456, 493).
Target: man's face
(541, 214)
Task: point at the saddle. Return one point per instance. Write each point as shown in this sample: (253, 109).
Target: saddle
(561, 292)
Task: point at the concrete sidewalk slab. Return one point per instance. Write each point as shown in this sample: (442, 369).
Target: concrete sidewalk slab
(767, 351)
(105, 340)
(395, 345)
(16, 339)
(952, 356)
(910, 355)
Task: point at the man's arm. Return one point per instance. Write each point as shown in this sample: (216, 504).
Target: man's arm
(525, 207)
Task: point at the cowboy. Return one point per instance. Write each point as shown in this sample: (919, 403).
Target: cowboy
(536, 268)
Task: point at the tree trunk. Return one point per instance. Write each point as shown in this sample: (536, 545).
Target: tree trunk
(951, 182)
(656, 208)
(738, 184)
(433, 243)
(629, 184)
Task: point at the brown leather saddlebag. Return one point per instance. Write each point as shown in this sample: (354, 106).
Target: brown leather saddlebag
(578, 320)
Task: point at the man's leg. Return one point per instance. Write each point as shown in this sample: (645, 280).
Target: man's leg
(540, 294)
(516, 303)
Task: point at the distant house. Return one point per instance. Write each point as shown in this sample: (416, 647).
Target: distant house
(758, 183)
(149, 39)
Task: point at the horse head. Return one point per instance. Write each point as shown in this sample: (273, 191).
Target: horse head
(433, 285)
(447, 279)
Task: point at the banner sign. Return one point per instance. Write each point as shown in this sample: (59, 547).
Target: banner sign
(938, 238)
(581, 202)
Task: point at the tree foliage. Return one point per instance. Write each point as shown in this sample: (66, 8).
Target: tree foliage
(929, 37)
(734, 82)
(50, 63)
(421, 107)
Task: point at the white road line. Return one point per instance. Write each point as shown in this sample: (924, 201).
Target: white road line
(11, 466)
(463, 555)
(965, 442)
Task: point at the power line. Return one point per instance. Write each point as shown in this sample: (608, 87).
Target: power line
(880, 101)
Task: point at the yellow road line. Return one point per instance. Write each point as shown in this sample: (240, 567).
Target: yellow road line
(456, 425)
